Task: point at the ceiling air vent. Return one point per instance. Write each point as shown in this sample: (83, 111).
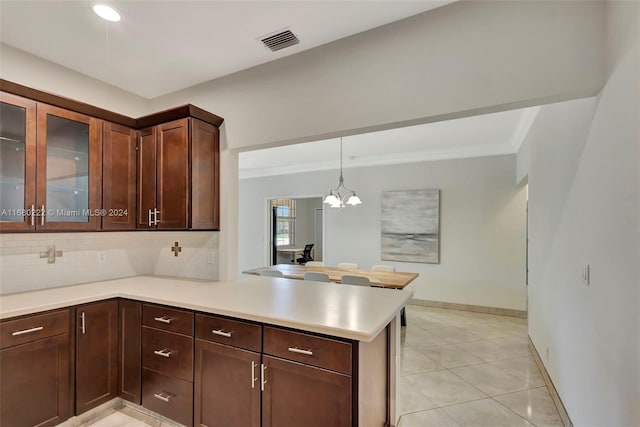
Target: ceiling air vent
(280, 40)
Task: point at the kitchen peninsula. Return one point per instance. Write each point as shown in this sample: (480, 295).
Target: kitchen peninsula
(256, 351)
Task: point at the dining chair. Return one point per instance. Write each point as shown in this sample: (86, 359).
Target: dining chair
(348, 265)
(316, 277)
(349, 279)
(383, 267)
(314, 264)
(271, 273)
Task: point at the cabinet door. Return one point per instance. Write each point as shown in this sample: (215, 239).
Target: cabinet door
(227, 386)
(302, 395)
(34, 390)
(147, 156)
(17, 163)
(69, 173)
(96, 354)
(205, 176)
(129, 350)
(118, 177)
(173, 175)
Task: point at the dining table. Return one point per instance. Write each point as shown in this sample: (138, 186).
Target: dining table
(382, 279)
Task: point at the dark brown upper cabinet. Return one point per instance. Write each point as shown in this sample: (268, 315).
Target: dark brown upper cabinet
(17, 163)
(50, 167)
(178, 176)
(70, 166)
(118, 177)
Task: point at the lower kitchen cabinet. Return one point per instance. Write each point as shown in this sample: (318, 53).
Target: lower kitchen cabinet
(96, 354)
(168, 396)
(34, 368)
(227, 386)
(129, 350)
(301, 395)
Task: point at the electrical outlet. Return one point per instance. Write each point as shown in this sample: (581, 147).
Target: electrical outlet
(547, 353)
(102, 257)
(584, 275)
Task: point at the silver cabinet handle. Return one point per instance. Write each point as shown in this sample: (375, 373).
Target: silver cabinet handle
(27, 331)
(263, 379)
(301, 351)
(155, 215)
(164, 396)
(149, 218)
(163, 319)
(164, 352)
(33, 215)
(221, 333)
(42, 216)
(82, 323)
(254, 365)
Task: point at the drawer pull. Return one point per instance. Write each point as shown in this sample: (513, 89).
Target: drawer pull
(222, 333)
(163, 319)
(301, 351)
(164, 396)
(263, 379)
(164, 352)
(27, 331)
(254, 365)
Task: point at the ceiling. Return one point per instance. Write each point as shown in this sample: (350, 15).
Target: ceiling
(163, 46)
(483, 135)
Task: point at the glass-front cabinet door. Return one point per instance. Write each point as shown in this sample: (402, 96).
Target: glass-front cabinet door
(68, 194)
(17, 163)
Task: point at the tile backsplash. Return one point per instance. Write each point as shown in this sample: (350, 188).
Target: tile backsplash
(88, 257)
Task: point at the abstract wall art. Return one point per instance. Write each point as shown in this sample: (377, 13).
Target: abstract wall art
(411, 226)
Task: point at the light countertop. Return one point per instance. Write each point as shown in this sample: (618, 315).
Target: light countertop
(353, 312)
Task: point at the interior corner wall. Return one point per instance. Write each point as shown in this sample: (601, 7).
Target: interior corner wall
(23, 68)
(584, 209)
(482, 229)
(460, 59)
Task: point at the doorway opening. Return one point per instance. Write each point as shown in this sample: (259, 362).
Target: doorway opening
(295, 223)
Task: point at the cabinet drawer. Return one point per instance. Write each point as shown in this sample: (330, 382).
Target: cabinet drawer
(231, 332)
(168, 353)
(171, 397)
(169, 319)
(27, 329)
(312, 350)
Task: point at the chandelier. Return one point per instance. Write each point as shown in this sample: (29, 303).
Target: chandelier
(341, 194)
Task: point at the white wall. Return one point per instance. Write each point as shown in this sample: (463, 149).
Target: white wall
(20, 67)
(482, 225)
(468, 55)
(584, 207)
(126, 254)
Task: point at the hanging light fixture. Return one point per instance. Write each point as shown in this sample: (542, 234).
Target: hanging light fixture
(337, 196)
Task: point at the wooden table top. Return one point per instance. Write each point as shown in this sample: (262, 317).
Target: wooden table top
(386, 279)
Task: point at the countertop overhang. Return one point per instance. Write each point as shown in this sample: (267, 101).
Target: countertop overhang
(353, 312)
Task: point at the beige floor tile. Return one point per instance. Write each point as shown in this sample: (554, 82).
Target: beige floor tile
(521, 367)
(445, 388)
(423, 337)
(449, 356)
(117, 419)
(411, 399)
(432, 418)
(535, 405)
(414, 362)
(491, 350)
(485, 413)
(490, 379)
(146, 419)
(455, 335)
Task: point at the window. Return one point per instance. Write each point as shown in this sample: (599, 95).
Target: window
(285, 221)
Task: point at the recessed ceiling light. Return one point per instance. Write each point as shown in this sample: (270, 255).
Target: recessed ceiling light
(106, 12)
